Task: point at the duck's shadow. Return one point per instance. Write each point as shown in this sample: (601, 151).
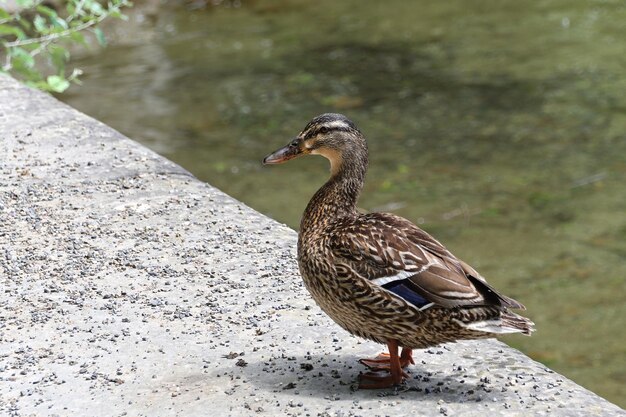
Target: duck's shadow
(333, 376)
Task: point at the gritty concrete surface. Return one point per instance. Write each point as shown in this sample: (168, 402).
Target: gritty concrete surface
(128, 287)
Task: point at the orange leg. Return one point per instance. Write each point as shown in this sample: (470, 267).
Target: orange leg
(406, 357)
(382, 361)
(394, 376)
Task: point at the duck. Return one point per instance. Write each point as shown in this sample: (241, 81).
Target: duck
(379, 276)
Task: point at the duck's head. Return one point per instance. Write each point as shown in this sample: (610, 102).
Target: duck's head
(331, 135)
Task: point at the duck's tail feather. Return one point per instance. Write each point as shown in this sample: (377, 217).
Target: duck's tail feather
(507, 322)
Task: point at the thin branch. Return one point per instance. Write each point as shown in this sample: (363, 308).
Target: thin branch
(40, 48)
(77, 11)
(16, 15)
(57, 35)
(44, 42)
(7, 63)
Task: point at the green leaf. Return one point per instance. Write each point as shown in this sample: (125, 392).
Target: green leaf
(70, 8)
(4, 14)
(78, 38)
(40, 85)
(118, 15)
(27, 74)
(40, 24)
(57, 83)
(30, 47)
(47, 11)
(25, 23)
(58, 22)
(96, 9)
(25, 4)
(53, 16)
(59, 57)
(21, 58)
(100, 37)
(12, 30)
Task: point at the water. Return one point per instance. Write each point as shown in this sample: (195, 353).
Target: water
(500, 127)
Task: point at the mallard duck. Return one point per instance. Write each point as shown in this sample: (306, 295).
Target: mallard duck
(378, 275)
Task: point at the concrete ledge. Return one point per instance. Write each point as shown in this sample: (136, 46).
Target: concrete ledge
(128, 287)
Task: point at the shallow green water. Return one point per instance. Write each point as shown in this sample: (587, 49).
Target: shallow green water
(500, 127)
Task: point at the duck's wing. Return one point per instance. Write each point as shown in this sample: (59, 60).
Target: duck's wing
(392, 252)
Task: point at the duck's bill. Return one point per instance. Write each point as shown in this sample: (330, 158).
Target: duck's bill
(283, 154)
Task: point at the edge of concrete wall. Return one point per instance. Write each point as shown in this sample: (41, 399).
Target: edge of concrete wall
(131, 288)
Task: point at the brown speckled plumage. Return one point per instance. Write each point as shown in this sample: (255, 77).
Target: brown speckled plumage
(347, 259)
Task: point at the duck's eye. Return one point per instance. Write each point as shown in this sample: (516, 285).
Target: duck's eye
(323, 130)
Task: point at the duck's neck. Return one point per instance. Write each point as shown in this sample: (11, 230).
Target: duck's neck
(338, 197)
